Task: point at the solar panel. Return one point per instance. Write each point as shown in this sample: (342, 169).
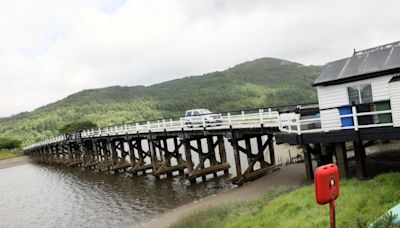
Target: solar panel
(375, 61)
(367, 61)
(331, 71)
(394, 60)
(353, 67)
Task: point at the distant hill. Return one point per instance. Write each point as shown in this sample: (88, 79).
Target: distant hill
(259, 83)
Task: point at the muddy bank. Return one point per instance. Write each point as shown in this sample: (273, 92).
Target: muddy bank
(287, 176)
(10, 162)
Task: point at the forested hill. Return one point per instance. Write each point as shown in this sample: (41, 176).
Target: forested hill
(259, 83)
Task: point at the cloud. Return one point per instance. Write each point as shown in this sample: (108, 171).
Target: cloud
(52, 48)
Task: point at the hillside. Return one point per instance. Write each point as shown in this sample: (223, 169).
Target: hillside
(259, 83)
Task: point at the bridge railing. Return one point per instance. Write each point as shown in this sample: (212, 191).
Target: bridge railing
(295, 123)
(267, 117)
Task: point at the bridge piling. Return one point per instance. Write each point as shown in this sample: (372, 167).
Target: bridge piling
(138, 156)
(252, 172)
(202, 169)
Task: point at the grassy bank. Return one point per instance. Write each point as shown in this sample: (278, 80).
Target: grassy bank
(4, 154)
(360, 202)
(220, 215)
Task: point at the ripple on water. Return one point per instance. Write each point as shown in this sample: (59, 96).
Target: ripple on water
(47, 196)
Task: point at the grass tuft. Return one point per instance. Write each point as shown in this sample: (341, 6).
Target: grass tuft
(5, 153)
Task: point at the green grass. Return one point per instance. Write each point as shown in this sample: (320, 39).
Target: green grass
(220, 215)
(4, 154)
(358, 201)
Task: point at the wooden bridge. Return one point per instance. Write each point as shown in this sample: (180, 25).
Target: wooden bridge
(169, 146)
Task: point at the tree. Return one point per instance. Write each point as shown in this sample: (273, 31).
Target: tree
(77, 126)
(9, 143)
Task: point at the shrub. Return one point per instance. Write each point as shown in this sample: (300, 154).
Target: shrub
(9, 143)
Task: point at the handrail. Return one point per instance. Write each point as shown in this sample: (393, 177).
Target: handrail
(286, 122)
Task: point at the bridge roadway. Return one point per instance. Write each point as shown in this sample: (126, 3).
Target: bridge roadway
(167, 146)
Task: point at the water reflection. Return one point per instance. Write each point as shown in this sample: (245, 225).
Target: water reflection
(49, 196)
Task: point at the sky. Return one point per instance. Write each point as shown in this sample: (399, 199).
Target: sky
(50, 49)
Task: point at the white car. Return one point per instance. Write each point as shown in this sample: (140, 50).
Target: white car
(200, 116)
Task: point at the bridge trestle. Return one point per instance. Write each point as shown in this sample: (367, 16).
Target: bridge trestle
(163, 156)
(210, 155)
(200, 154)
(252, 172)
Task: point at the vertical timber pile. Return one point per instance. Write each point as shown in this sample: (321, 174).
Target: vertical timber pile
(252, 172)
(162, 163)
(137, 155)
(104, 152)
(76, 154)
(200, 170)
(90, 152)
(119, 156)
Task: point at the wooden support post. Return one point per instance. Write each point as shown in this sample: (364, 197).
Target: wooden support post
(201, 157)
(308, 162)
(260, 147)
(271, 151)
(154, 159)
(166, 156)
(132, 156)
(188, 155)
(249, 153)
(211, 152)
(179, 158)
(341, 159)
(236, 153)
(359, 153)
(114, 153)
(222, 152)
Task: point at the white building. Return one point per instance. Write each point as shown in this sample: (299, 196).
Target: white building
(369, 81)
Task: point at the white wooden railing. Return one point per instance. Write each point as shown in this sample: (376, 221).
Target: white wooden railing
(292, 122)
(285, 122)
(267, 118)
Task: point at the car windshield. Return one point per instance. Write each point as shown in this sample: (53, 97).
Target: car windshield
(205, 111)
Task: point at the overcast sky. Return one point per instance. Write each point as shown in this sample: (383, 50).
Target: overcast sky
(52, 48)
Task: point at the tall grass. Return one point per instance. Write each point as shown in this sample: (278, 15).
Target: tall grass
(220, 215)
(4, 154)
(360, 202)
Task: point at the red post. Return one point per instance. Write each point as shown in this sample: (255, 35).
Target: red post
(332, 213)
(326, 183)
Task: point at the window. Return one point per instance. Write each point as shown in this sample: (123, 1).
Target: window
(360, 94)
(196, 113)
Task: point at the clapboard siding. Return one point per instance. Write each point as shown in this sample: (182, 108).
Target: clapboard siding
(395, 102)
(336, 95)
(330, 119)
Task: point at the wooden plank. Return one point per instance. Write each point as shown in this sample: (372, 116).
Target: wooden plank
(208, 170)
(254, 175)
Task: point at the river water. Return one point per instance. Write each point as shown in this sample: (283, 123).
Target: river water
(49, 196)
(37, 195)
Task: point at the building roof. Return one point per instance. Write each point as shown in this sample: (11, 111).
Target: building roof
(363, 64)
